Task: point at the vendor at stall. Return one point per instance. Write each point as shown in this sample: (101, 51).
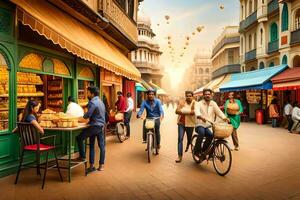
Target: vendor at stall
(73, 108)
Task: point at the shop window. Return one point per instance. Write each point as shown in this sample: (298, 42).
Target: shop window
(297, 20)
(261, 65)
(4, 100)
(285, 18)
(82, 92)
(274, 32)
(250, 42)
(206, 70)
(32, 61)
(296, 61)
(230, 57)
(271, 64)
(261, 36)
(284, 60)
(131, 8)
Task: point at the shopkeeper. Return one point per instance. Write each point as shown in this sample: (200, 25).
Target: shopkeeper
(73, 108)
(29, 114)
(96, 116)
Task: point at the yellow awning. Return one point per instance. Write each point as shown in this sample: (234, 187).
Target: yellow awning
(225, 79)
(75, 37)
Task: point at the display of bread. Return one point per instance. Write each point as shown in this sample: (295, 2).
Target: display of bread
(50, 119)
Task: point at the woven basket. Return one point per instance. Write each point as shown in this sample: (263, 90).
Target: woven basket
(222, 130)
(150, 123)
(233, 108)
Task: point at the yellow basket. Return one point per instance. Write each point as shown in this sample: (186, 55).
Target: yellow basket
(222, 130)
(150, 123)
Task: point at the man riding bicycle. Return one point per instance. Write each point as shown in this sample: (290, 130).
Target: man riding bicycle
(206, 110)
(155, 111)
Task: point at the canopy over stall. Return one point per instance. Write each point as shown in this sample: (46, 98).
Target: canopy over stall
(253, 80)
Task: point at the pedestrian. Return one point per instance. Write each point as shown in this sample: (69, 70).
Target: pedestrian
(96, 121)
(233, 109)
(287, 112)
(128, 113)
(273, 112)
(296, 117)
(185, 122)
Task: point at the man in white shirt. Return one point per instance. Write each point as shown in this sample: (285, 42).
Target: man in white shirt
(206, 110)
(295, 116)
(73, 108)
(128, 113)
(288, 109)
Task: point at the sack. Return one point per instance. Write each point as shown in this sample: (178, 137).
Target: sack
(233, 108)
(222, 130)
(119, 116)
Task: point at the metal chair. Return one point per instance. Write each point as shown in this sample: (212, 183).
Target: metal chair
(31, 142)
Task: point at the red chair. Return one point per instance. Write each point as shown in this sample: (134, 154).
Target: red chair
(31, 142)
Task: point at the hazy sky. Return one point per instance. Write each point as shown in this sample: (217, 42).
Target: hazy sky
(185, 17)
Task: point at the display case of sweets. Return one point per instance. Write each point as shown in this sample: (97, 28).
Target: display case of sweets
(55, 93)
(4, 101)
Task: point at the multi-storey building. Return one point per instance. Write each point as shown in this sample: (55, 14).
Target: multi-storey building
(269, 33)
(199, 73)
(146, 57)
(226, 52)
(53, 49)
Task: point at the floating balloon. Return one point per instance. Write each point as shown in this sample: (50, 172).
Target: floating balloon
(193, 33)
(167, 17)
(169, 42)
(169, 37)
(199, 29)
(157, 24)
(221, 7)
(187, 37)
(186, 43)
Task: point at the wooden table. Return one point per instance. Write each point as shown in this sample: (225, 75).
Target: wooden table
(71, 163)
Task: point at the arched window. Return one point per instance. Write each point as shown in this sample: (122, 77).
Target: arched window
(255, 41)
(261, 65)
(250, 42)
(274, 32)
(255, 5)
(250, 7)
(242, 12)
(4, 80)
(206, 70)
(261, 36)
(252, 69)
(242, 46)
(296, 61)
(297, 20)
(285, 18)
(271, 64)
(200, 70)
(246, 5)
(284, 60)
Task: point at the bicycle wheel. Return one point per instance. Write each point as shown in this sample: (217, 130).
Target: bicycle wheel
(149, 145)
(121, 131)
(193, 143)
(222, 158)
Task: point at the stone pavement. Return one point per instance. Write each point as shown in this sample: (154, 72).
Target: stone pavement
(266, 167)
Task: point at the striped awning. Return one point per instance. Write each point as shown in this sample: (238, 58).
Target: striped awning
(77, 38)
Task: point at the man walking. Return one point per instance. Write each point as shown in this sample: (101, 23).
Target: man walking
(186, 122)
(128, 113)
(96, 116)
(288, 109)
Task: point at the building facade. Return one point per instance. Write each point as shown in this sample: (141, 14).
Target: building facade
(146, 57)
(226, 52)
(199, 73)
(50, 50)
(269, 33)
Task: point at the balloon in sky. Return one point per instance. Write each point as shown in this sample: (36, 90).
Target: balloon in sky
(157, 24)
(167, 17)
(169, 37)
(199, 29)
(187, 37)
(193, 33)
(221, 7)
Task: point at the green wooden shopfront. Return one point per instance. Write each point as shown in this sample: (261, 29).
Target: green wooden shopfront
(33, 67)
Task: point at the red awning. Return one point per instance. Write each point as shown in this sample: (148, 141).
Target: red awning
(287, 80)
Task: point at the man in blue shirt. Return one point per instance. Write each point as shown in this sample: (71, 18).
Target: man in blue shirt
(96, 116)
(154, 110)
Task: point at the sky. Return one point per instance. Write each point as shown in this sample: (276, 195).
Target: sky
(185, 17)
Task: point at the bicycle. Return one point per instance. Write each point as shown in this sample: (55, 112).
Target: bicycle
(152, 148)
(218, 151)
(116, 126)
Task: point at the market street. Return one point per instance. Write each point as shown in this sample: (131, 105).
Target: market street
(266, 167)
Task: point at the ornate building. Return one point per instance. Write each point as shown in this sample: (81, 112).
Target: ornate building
(146, 57)
(199, 73)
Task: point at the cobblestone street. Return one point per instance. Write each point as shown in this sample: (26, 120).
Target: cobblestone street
(266, 167)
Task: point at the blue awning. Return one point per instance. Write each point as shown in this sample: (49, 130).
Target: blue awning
(253, 80)
(140, 88)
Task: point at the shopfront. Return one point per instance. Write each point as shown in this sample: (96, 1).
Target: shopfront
(41, 59)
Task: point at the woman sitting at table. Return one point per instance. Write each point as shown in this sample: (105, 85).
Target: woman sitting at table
(30, 114)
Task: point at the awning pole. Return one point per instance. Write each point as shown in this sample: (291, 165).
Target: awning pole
(261, 102)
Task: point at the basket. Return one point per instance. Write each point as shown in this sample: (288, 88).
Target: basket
(119, 116)
(233, 108)
(150, 123)
(222, 130)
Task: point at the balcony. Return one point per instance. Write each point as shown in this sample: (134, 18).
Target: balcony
(250, 55)
(117, 16)
(251, 19)
(262, 12)
(295, 37)
(273, 6)
(224, 42)
(227, 69)
(273, 46)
